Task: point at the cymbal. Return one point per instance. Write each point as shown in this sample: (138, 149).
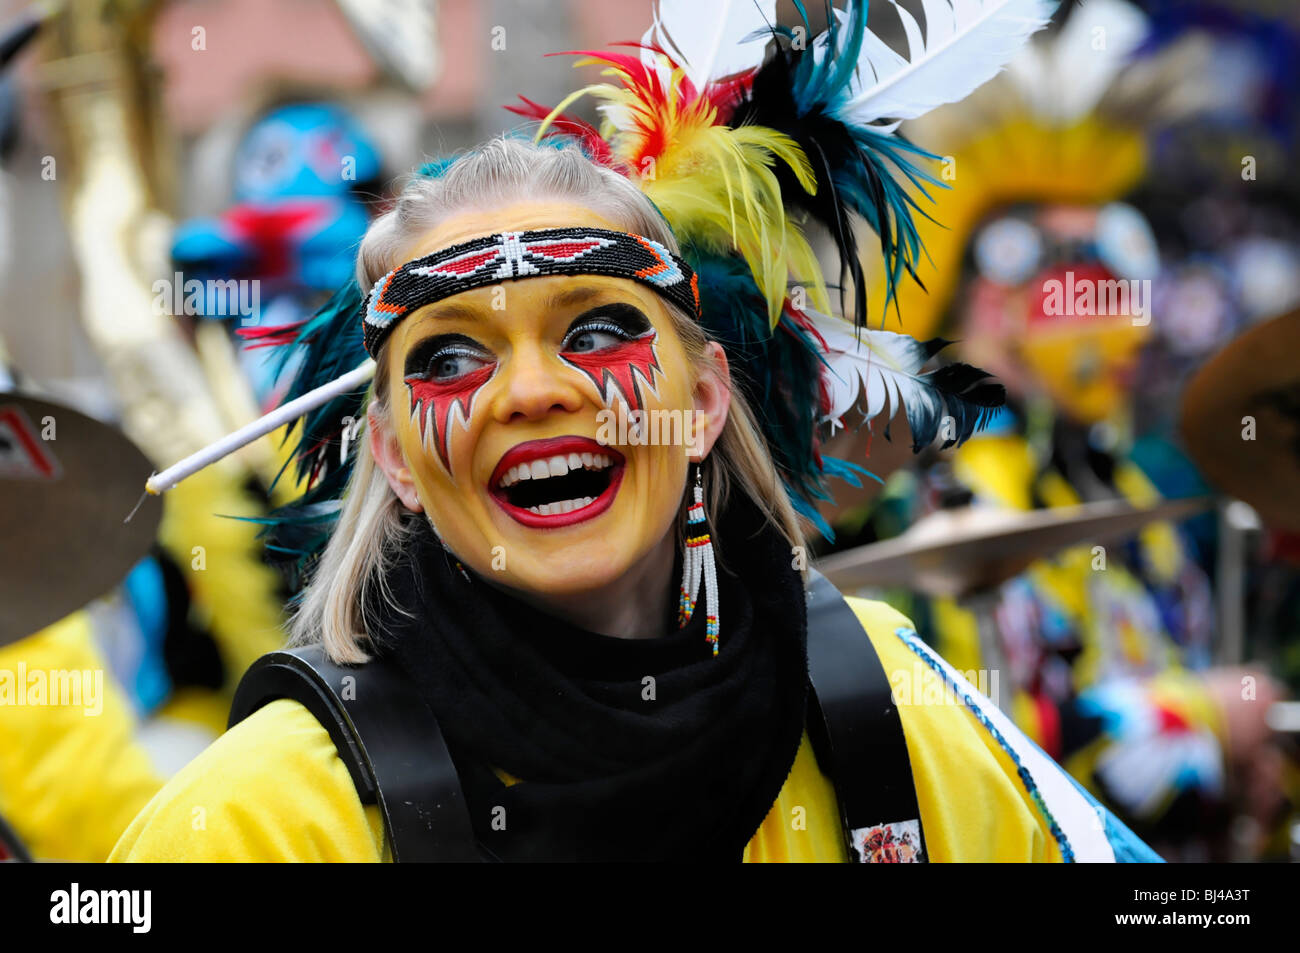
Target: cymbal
(960, 551)
(1241, 420)
(67, 482)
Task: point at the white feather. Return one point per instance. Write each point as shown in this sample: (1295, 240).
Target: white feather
(1066, 80)
(882, 364)
(966, 43)
(709, 39)
(912, 29)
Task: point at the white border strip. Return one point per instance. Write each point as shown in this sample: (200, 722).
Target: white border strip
(1083, 825)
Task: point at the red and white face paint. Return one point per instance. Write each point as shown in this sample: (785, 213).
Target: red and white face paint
(500, 425)
(439, 406)
(621, 370)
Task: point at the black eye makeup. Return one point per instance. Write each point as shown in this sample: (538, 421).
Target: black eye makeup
(427, 359)
(619, 319)
(445, 356)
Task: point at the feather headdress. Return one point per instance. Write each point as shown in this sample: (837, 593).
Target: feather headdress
(1067, 121)
(749, 136)
(817, 117)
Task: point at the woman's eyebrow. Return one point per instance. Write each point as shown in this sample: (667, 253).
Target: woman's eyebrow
(573, 296)
(454, 312)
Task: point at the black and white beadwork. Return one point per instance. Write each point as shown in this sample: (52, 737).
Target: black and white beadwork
(511, 255)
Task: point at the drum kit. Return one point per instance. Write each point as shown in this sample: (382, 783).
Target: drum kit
(68, 482)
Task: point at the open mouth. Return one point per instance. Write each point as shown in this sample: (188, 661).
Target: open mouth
(557, 482)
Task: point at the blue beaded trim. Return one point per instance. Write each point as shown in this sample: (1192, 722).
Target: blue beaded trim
(911, 640)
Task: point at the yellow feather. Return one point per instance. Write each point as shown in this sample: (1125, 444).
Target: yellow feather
(596, 89)
(714, 184)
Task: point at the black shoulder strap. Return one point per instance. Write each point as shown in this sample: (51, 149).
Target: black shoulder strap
(862, 745)
(396, 755)
(387, 737)
(11, 847)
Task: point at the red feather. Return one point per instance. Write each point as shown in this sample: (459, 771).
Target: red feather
(655, 100)
(565, 124)
(282, 335)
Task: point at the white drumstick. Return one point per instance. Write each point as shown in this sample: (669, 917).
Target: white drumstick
(161, 482)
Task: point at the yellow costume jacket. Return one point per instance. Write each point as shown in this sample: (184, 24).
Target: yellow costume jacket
(274, 789)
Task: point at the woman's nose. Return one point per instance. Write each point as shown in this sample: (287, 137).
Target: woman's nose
(535, 384)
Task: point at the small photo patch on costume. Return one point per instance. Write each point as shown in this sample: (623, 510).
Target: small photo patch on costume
(896, 843)
(23, 454)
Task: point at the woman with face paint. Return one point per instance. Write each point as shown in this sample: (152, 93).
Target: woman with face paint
(572, 537)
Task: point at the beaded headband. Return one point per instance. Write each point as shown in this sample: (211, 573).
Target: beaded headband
(510, 255)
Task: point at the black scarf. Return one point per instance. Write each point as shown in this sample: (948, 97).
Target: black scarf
(609, 772)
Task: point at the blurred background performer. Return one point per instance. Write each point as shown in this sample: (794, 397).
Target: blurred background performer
(1108, 649)
(172, 640)
(73, 768)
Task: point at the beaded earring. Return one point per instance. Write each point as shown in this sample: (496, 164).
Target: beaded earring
(697, 565)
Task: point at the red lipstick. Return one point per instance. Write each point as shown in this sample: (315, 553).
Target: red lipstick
(529, 452)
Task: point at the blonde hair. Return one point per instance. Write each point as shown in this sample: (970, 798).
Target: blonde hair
(373, 523)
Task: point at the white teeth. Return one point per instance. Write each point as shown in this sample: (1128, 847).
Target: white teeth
(515, 474)
(563, 506)
(555, 467)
